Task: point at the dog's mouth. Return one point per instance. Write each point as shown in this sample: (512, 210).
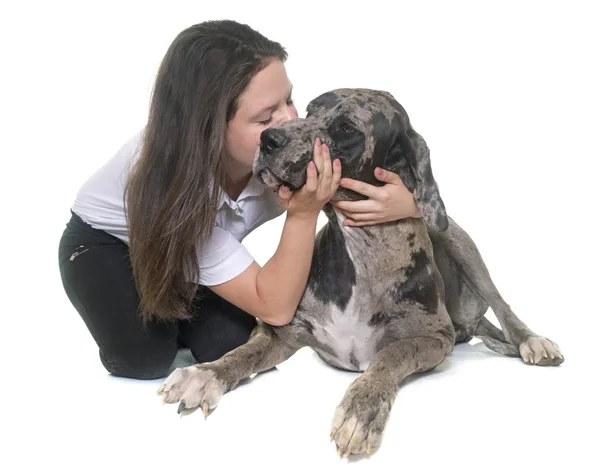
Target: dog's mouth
(272, 181)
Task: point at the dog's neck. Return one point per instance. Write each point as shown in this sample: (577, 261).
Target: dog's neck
(375, 247)
(399, 227)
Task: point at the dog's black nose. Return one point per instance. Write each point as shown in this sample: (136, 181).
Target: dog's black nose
(272, 139)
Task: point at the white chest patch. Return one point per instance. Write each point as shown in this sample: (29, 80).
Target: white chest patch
(348, 335)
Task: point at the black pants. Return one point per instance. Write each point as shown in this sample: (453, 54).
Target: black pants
(98, 280)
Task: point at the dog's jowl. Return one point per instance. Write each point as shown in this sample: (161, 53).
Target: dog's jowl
(387, 300)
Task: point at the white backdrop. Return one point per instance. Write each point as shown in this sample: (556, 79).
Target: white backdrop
(506, 96)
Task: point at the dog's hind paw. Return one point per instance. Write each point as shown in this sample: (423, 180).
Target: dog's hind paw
(193, 386)
(540, 351)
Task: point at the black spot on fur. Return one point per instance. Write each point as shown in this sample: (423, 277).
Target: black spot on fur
(332, 272)
(411, 239)
(379, 319)
(328, 100)
(380, 126)
(420, 286)
(353, 360)
(349, 144)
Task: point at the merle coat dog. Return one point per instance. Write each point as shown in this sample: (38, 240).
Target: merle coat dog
(387, 300)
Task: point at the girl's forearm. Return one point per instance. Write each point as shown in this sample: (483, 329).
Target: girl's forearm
(282, 280)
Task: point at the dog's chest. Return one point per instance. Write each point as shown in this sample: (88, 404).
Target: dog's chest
(345, 308)
(344, 337)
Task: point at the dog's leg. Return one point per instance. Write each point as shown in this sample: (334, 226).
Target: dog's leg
(203, 385)
(361, 417)
(533, 348)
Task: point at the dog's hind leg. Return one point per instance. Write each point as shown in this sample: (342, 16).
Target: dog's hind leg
(494, 339)
(360, 418)
(533, 349)
(203, 385)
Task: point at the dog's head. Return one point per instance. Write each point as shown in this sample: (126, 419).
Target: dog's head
(365, 129)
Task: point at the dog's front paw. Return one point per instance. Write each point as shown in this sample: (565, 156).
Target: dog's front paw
(540, 351)
(360, 419)
(194, 386)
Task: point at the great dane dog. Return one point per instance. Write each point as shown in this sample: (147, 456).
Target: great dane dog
(387, 300)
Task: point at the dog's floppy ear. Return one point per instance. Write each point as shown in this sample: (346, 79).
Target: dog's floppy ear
(409, 157)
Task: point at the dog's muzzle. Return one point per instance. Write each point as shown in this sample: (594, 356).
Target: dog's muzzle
(267, 177)
(271, 141)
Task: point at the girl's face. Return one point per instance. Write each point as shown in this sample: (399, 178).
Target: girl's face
(266, 101)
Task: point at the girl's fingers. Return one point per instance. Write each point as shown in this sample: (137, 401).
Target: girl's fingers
(363, 217)
(283, 196)
(337, 174)
(326, 162)
(319, 156)
(350, 222)
(360, 206)
(311, 178)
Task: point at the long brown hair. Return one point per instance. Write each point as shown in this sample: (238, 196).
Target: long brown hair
(171, 206)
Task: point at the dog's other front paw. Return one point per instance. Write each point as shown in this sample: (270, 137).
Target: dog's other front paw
(360, 419)
(540, 351)
(193, 386)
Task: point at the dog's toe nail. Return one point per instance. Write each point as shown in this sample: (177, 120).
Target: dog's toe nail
(205, 409)
(369, 448)
(181, 407)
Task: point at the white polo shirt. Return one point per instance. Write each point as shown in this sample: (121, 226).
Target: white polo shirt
(99, 203)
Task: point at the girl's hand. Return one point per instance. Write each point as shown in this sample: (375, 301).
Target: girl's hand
(319, 188)
(387, 203)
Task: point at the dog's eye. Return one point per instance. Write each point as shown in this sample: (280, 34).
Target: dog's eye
(346, 128)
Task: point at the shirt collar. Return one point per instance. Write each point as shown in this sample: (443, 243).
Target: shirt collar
(253, 188)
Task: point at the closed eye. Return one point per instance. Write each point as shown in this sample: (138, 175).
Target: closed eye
(289, 102)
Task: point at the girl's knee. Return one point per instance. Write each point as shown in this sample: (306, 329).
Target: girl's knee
(128, 364)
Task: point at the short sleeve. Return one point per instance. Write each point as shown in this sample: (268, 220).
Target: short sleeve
(222, 258)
